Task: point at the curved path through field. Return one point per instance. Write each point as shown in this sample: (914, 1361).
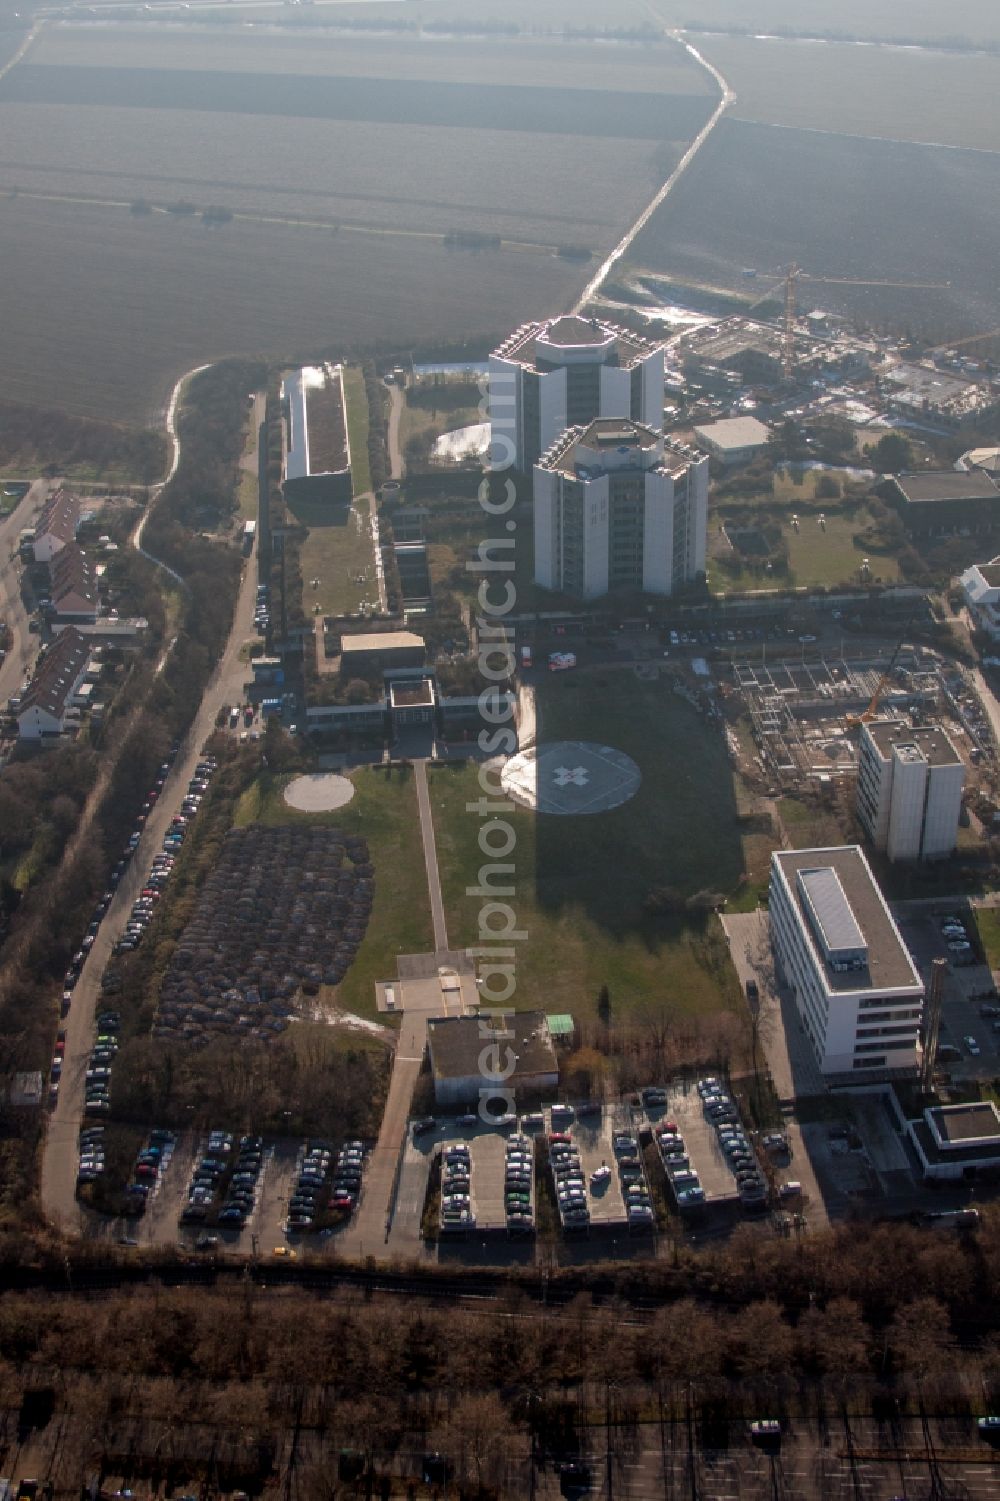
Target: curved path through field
(631, 235)
(170, 422)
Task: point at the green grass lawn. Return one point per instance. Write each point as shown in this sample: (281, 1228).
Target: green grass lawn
(338, 552)
(818, 553)
(581, 883)
(248, 496)
(357, 428)
(384, 810)
(988, 923)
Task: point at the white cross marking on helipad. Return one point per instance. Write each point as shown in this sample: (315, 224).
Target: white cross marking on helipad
(562, 776)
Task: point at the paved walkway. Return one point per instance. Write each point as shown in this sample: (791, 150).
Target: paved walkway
(431, 859)
(783, 1041)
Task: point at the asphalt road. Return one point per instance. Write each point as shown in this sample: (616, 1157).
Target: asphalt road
(59, 1159)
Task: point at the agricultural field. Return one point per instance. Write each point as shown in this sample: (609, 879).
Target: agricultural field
(586, 926)
(384, 811)
(889, 210)
(340, 165)
(968, 21)
(897, 94)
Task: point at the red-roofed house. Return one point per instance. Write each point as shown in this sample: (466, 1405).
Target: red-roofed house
(56, 525)
(44, 709)
(73, 585)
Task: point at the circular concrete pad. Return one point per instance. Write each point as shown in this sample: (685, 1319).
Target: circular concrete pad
(319, 793)
(571, 777)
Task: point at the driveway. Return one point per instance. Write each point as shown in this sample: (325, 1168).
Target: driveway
(59, 1158)
(785, 1046)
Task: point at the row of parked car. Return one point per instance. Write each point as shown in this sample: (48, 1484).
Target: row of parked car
(457, 1215)
(90, 1163)
(97, 1082)
(961, 953)
(262, 610)
(160, 872)
(518, 1185)
(632, 1176)
(224, 1183)
(569, 1182)
(325, 1181)
(684, 1183)
(739, 1153)
(151, 1162)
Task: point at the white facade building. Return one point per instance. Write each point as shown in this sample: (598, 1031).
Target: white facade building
(618, 506)
(836, 945)
(562, 373)
(909, 795)
(981, 589)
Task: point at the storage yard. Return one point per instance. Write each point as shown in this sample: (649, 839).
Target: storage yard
(283, 908)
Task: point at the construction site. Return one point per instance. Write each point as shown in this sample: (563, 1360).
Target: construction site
(803, 716)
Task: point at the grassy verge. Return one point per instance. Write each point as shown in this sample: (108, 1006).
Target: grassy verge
(247, 494)
(357, 428)
(384, 810)
(582, 884)
(988, 925)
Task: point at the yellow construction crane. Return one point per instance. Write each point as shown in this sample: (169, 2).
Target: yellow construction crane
(867, 715)
(795, 274)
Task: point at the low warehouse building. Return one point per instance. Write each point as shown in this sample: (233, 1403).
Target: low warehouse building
(735, 440)
(377, 651)
(470, 1062)
(945, 500)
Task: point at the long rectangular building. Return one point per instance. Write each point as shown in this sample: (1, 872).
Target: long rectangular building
(838, 948)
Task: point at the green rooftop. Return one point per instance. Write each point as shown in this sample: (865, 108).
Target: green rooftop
(560, 1025)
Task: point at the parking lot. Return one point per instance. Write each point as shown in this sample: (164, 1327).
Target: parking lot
(967, 988)
(701, 1140)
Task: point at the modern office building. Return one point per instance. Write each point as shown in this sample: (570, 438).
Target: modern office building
(563, 373)
(909, 794)
(618, 506)
(837, 947)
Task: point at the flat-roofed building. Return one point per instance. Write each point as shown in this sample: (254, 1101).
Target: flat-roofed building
(619, 507)
(909, 795)
(957, 1141)
(839, 950)
(376, 651)
(473, 1059)
(944, 500)
(564, 372)
(734, 440)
